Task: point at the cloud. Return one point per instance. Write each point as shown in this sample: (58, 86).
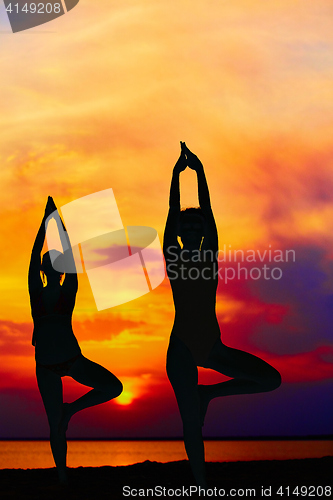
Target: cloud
(286, 321)
(15, 338)
(105, 328)
(125, 340)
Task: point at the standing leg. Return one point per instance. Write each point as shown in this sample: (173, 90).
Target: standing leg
(50, 388)
(105, 385)
(183, 375)
(249, 373)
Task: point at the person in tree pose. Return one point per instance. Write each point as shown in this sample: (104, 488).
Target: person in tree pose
(195, 337)
(57, 351)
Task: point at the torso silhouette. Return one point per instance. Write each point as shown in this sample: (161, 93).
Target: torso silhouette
(194, 286)
(53, 335)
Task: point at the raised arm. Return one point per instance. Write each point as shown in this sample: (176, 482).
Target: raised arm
(70, 283)
(170, 232)
(211, 236)
(34, 280)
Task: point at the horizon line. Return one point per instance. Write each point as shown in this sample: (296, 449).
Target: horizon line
(312, 437)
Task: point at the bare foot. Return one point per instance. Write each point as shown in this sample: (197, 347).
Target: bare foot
(63, 478)
(204, 402)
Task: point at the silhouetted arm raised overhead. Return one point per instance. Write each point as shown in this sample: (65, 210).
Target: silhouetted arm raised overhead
(70, 282)
(211, 237)
(34, 279)
(170, 232)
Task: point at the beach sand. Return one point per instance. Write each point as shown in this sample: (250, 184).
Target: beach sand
(108, 482)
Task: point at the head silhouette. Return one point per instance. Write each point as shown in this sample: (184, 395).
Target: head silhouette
(52, 265)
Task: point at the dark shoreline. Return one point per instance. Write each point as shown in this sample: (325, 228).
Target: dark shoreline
(90, 483)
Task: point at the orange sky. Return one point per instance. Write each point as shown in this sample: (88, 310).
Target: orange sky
(102, 96)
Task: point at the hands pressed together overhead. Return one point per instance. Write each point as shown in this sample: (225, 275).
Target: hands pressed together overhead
(50, 206)
(187, 159)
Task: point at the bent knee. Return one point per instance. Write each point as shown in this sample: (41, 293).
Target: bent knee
(272, 381)
(118, 389)
(114, 389)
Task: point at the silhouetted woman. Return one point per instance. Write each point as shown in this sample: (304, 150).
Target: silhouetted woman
(195, 337)
(57, 350)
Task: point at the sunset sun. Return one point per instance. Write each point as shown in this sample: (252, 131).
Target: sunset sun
(125, 398)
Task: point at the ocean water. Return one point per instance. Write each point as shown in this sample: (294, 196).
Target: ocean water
(37, 454)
